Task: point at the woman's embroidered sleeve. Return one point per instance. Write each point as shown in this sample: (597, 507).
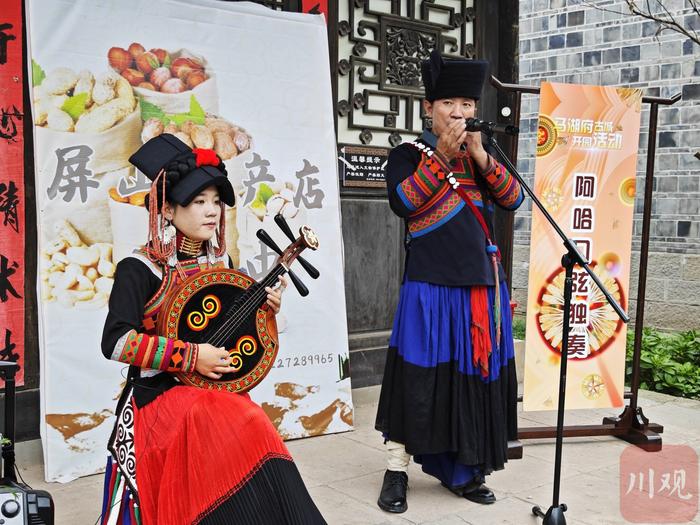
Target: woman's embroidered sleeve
(504, 188)
(155, 352)
(122, 339)
(413, 183)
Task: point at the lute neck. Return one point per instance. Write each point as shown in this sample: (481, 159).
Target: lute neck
(252, 299)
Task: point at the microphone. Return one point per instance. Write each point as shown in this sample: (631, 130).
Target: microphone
(489, 128)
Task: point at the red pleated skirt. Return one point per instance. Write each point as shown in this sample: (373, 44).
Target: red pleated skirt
(199, 454)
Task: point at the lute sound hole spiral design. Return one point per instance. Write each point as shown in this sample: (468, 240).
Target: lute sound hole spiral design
(198, 321)
(246, 345)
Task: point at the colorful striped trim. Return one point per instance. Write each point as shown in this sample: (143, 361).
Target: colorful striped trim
(118, 503)
(504, 187)
(418, 188)
(172, 278)
(437, 198)
(428, 215)
(408, 196)
(442, 214)
(154, 303)
(190, 353)
(161, 353)
(157, 353)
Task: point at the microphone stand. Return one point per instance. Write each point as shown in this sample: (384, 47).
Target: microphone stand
(572, 257)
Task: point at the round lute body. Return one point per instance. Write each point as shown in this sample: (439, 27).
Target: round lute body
(227, 308)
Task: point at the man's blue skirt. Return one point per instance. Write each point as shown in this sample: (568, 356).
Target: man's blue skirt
(434, 400)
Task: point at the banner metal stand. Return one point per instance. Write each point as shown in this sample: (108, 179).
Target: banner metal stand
(631, 425)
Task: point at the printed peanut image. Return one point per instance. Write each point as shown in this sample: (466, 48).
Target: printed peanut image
(73, 273)
(80, 102)
(214, 133)
(271, 199)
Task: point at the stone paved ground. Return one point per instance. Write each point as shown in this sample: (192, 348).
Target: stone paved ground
(344, 473)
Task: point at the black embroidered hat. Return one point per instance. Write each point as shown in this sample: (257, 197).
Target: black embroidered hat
(453, 77)
(188, 171)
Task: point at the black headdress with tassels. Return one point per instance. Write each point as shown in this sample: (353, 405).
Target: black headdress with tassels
(453, 77)
(179, 173)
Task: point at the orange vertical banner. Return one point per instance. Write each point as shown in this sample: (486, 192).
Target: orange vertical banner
(12, 199)
(585, 176)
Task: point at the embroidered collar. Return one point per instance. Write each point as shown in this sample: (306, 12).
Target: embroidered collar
(188, 249)
(187, 246)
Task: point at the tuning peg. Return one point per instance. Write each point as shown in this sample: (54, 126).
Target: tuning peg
(310, 269)
(301, 288)
(282, 223)
(268, 241)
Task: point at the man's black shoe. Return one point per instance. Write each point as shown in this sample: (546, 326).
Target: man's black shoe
(393, 495)
(475, 491)
(481, 494)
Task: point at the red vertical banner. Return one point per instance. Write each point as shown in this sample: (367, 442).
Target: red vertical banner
(12, 199)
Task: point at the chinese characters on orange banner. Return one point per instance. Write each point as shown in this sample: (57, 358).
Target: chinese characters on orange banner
(586, 133)
(584, 174)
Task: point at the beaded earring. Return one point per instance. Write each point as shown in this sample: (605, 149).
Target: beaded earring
(169, 232)
(161, 232)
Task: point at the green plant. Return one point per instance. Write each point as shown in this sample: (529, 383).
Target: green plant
(669, 363)
(518, 328)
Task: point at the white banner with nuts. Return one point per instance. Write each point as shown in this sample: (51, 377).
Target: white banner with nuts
(249, 82)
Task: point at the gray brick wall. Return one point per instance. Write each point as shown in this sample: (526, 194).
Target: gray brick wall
(569, 41)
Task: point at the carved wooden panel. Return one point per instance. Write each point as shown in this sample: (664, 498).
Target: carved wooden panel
(381, 44)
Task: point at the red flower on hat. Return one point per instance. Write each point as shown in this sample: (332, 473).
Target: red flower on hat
(205, 157)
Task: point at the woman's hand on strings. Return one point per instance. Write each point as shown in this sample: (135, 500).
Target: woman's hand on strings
(274, 295)
(213, 362)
